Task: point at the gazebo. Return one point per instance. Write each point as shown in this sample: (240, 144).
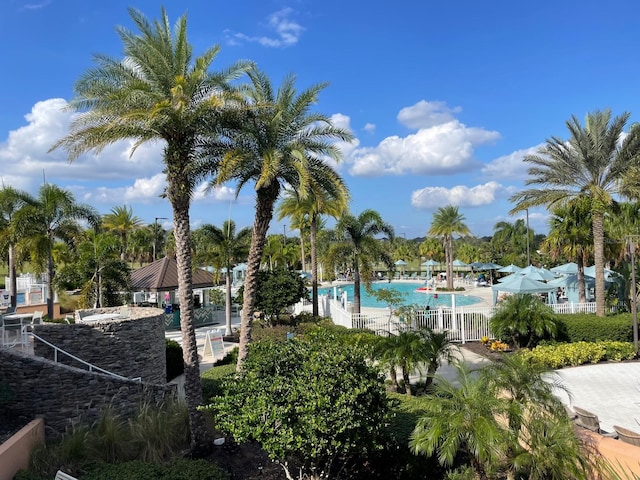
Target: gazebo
(523, 284)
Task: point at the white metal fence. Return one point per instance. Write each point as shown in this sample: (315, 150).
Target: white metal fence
(464, 324)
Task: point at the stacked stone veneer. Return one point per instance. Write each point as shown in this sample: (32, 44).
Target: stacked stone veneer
(65, 392)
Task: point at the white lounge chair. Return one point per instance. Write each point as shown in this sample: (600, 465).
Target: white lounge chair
(63, 476)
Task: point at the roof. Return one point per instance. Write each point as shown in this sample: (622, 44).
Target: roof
(162, 275)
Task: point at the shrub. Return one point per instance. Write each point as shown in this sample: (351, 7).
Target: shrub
(211, 380)
(315, 402)
(230, 358)
(587, 327)
(179, 470)
(175, 362)
(580, 353)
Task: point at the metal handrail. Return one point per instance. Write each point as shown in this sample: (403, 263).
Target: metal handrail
(87, 364)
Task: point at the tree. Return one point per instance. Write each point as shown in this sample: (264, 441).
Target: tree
(462, 416)
(280, 142)
(524, 319)
(315, 203)
(97, 270)
(11, 201)
(438, 347)
(160, 92)
(277, 290)
(53, 216)
(140, 244)
(511, 240)
(571, 237)
(318, 401)
(232, 249)
(447, 222)
(122, 221)
(597, 161)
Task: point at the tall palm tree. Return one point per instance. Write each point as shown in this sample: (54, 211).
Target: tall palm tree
(122, 221)
(281, 142)
(159, 91)
(11, 201)
(511, 240)
(314, 204)
(571, 236)
(597, 161)
(140, 243)
(233, 249)
(54, 216)
(447, 222)
(358, 245)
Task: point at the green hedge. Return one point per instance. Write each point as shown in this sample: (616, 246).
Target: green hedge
(587, 327)
(179, 470)
(175, 362)
(211, 380)
(580, 353)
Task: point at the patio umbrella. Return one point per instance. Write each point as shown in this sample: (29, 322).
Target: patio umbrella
(476, 265)
(490, 266)
(400, 262)
(510, 269)
(430, 263)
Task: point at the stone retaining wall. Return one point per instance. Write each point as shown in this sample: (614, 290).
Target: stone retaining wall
(66, 392)
(133, 347)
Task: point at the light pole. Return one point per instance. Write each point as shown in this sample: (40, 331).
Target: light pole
(155, 234)
(634, 294)
(528, 253)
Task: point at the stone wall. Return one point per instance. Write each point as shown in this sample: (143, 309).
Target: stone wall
(64, 395)
(133, 347)
(65, 391)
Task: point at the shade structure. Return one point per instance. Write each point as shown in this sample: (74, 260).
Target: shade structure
(489, 266)
(591, 272)
(476, 265)
(162, 276)
(400, 263)
(566, 268)
(510, 269)
(569, 283)
(537, 273)
(523, 284)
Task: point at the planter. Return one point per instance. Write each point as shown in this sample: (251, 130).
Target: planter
(15, 452)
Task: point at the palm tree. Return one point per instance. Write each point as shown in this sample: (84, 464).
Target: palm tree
(571, 236)
(462, 415)
(314, 204)
(438, 347)
(524, 319)
(358, 245)
(140, 243)
(511, 240)
(53, 216)
(160, 92)
(122, 221)
(281, 142)
(597, 162)
(447, 222)
(407, 350)
(11, 201)
(232, 249)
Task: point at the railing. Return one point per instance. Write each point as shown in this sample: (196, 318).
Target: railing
(208, 315)
(464, 324)
(91, 367)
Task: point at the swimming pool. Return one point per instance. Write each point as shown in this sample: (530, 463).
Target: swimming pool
(408, 290)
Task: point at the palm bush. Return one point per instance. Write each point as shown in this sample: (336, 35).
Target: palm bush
(523, 320)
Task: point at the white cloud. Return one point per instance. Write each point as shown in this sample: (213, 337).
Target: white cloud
(222, 193)
(143, 190)
(441, 149)
(25, 152)
(460, 195)
(369, 128)
(35, 6)
(343, 121)
(427, 114)
(512, 165)
(287, 31)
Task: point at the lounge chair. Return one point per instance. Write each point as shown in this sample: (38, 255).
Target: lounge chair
(627, 436)
(590, 421)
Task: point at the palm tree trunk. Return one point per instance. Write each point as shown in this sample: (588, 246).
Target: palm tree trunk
(582, 293)
(265, 201)
(200, 439)
(407, 382)
(304, 266)
(449, 260)
(13, 282)
(227, 310)
(314, 266)
(393, 374)
(50, 273)
(356, 284)
(598, 254)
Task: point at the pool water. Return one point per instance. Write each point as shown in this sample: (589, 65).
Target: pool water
(408, 291)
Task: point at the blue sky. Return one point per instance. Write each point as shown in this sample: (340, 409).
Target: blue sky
(444, 98)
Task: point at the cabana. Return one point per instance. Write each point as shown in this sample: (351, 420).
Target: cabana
(523, 284)
(569, 283)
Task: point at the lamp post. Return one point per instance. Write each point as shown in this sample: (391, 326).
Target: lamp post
(634, 294)
(528, 253)
(155, 234)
